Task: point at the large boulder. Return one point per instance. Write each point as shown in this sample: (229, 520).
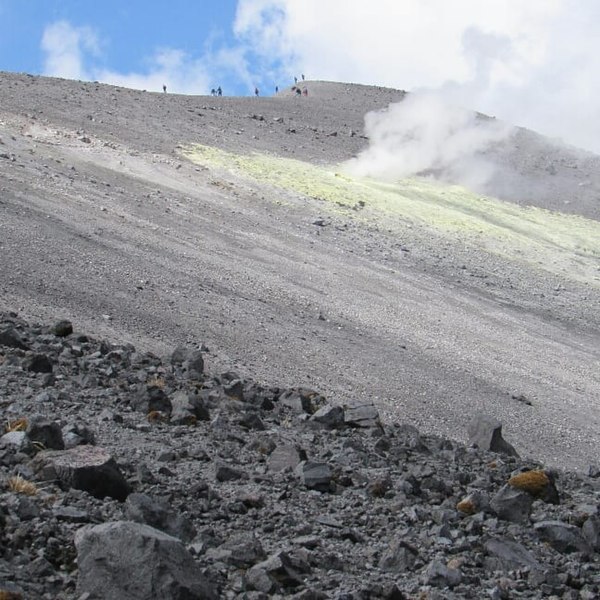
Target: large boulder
(88, 468)
(132, 561)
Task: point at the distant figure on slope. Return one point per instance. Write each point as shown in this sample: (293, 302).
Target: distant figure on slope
(277, 89)
(295, 79)
(302, 76)
(256, 92)
(298, 91)
(305, 92)
(213, 92)
(164, 88)
(219, 91)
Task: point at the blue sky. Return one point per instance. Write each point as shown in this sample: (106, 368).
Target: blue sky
(533, 63)
(129, 39)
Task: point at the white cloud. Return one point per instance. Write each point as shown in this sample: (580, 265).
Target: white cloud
(72, 52)
(534, 63)
(65, 47)
(170, 67)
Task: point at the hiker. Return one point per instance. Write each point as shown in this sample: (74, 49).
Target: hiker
(219, 91)
(256, 92)
(298, 92)
(213, 92)
(305, 92)
(164, 88)
(302, 76)
(295, 79)
(277, 89)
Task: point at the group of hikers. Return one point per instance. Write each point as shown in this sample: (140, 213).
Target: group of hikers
(295, 88)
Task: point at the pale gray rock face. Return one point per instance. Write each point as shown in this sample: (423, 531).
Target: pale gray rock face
(485, 432)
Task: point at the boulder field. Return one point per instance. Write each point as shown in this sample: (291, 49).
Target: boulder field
(124, 475)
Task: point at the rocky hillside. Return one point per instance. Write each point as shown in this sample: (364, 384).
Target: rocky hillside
(126, 476)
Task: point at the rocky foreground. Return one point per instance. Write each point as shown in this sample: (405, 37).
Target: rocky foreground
(127, 476)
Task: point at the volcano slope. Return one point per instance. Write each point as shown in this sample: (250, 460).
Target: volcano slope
(161, 219)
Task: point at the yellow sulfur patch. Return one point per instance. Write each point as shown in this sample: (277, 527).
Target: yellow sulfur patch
(563, 244)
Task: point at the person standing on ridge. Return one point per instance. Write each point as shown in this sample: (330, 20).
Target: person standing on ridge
(164, 88)
(219, 91)
(256, 92)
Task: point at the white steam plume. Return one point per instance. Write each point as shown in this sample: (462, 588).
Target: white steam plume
(422, 135)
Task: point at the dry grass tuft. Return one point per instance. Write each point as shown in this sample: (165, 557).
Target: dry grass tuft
(532, 482)
(157, 382)
(16, 425)
(189, 420)
(6, 595)
(155, 416)
(18, 485)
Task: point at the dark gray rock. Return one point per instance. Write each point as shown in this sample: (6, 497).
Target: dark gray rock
(315, 475)
(183, 411)
(329, 416)
(17, 440)
(485, 432)
(511, 504)
(285, 456)
(243, 550)
(408, 436)
(159, 514)
(46, 433)
(179, 355)
(152, 399)
(364, 416)
(38, 363)
(398, 557)
(301, 400)
(88, 468)
(591, 532)
(11, 338)
(506, 555)
(194, 364)
(277, 573)
(76, 434)
(62, 328)
(438, 574)
(251, 420)
(563, 537)
(71, 514)
(235, 389)
(225, 472)
(132, 561)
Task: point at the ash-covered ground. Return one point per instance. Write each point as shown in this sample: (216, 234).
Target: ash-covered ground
(106, 223)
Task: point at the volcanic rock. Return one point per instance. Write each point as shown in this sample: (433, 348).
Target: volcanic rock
(131, 561)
